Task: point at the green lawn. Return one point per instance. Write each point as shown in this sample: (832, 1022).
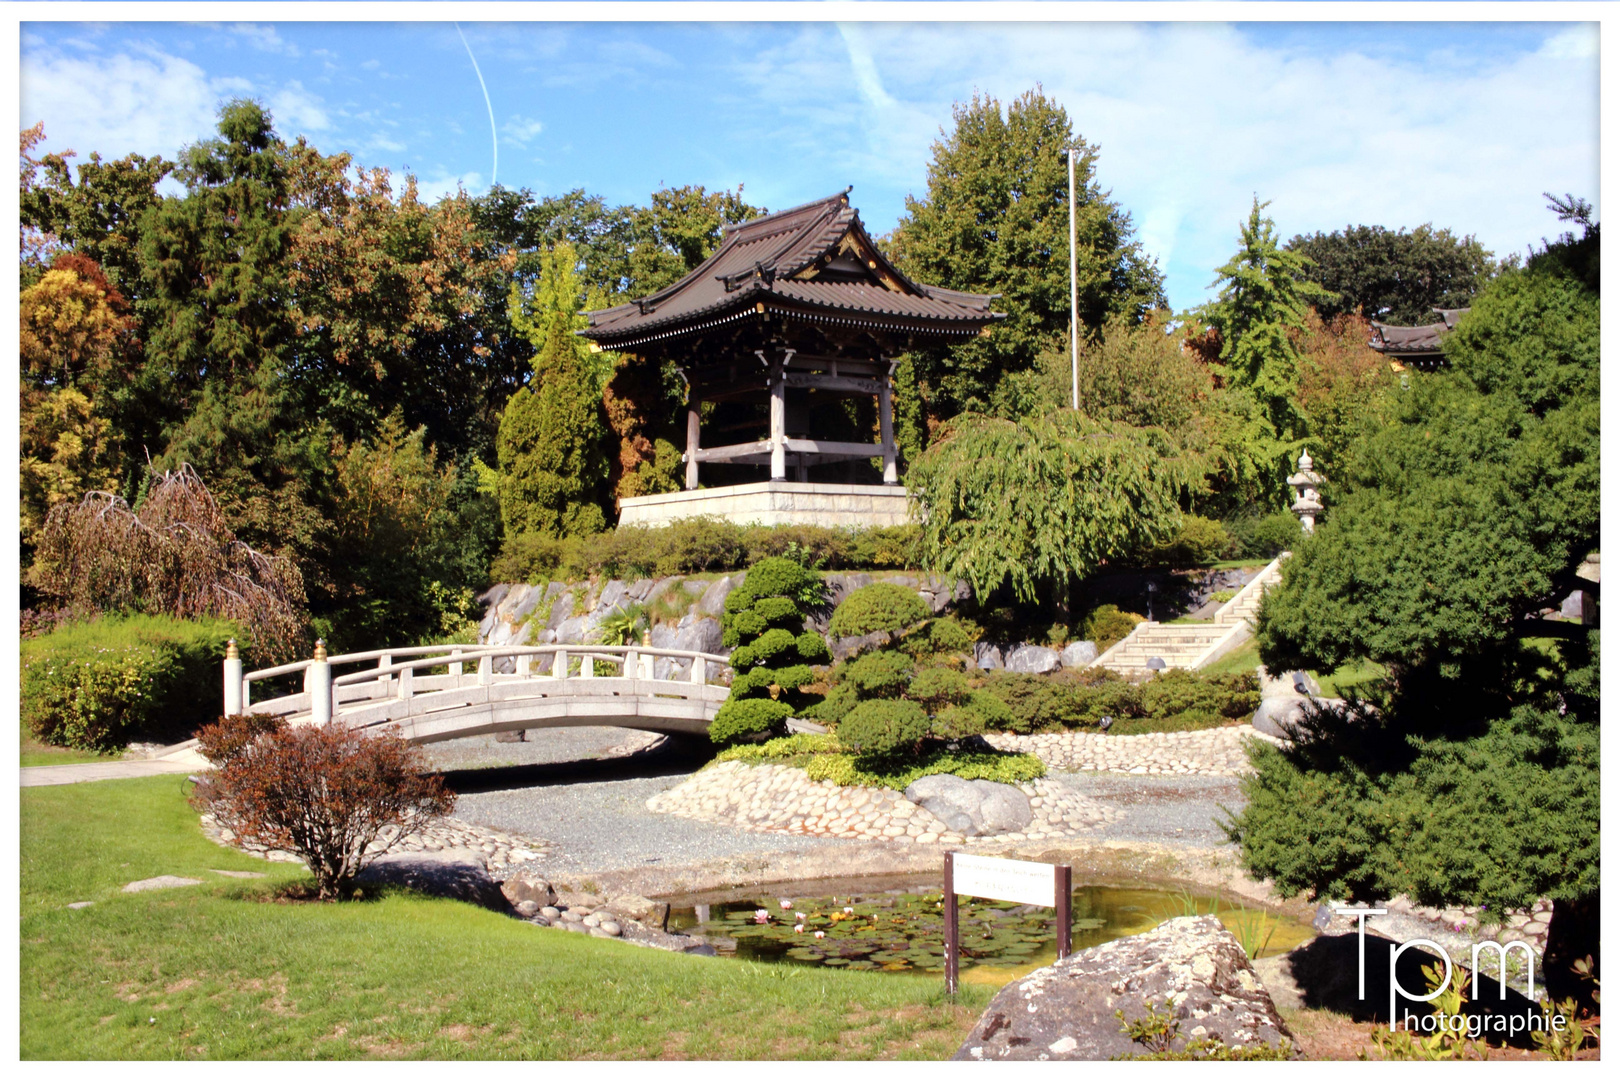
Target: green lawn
(226, 969)
(34, 752)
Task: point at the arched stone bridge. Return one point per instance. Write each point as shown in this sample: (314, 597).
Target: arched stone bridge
(438, 692)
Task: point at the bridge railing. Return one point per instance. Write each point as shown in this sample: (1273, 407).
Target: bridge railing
(396, 672)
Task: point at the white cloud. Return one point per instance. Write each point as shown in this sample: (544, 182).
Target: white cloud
(120, 104)
(263, 38)
(1194, 119)
(431, 191)
(520, 129)
(371, 65)
(297, 111)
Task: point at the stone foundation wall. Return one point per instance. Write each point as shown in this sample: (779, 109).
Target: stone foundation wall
(775, 502)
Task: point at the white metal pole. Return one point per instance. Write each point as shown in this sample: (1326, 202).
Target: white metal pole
(1074, 295)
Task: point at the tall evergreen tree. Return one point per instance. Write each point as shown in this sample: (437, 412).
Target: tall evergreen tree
(1397, 277)
(553, 463)
(996, 220)
(1263, 296)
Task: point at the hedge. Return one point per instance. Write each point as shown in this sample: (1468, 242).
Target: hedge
(98, 685)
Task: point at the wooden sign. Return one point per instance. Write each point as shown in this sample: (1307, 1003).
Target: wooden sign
(1003, 879)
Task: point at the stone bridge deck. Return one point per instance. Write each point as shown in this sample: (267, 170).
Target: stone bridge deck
(425, 693)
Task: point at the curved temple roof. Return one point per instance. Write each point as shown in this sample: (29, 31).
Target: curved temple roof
(816, 260)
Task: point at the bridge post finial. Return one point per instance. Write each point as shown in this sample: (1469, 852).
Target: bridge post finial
(233, 679)
(320, 650)
(318, 680)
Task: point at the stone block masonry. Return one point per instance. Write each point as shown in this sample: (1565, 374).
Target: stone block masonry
(776, 502)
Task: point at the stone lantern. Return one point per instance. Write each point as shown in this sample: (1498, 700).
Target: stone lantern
(1308, 503)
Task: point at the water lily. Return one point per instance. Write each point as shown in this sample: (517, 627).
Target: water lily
(849, 911)
(800, 916)
(762, 916)
(799, 929)
(821, 933)
(787, 905)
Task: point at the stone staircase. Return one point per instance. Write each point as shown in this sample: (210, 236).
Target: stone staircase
(1193, 645)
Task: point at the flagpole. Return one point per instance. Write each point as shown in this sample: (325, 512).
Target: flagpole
(1074, 295)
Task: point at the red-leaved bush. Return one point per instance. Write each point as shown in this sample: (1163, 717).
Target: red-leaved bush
(325, 794)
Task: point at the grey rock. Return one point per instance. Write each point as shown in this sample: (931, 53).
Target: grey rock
(614, 597)
(635, 907)
(695, 586)
(638, 591)
(951, 799)
(713, 600)
(239, 873)
(659, 588)
(1002, 808)
(526, 604)
(1077, 654)
(80, 905)
(701, 950)
(664, 635)
(572, 916)
(698, 634)
(845, 647)
(1280, 716)
(597, 931)
(551, 912)
(576, 927)
(1032, 660)
(611, 928)
(494, 595)
(162, 881)
(511, 736)
(561, 609)
(527, 908)
(523, 885)
(572, 631)
(1581, 605)
(1066, 1011)
(986, 656)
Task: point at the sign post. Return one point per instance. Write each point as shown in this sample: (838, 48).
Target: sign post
(1003, 879)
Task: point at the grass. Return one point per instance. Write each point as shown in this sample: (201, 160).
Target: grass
(33, 752)
(232, 969)
(1245, 659)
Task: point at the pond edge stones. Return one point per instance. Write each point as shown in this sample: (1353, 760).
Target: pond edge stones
(1065, 1012)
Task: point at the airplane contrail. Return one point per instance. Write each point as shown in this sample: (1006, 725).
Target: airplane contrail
(494, 139)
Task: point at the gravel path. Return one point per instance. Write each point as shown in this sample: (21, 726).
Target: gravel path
(585, 794)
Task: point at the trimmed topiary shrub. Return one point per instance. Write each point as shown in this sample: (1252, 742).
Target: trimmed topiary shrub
(877, 674)
(749, 716)
(883, 606)
(764, 621)
(1264, 537)
(97, 685)
(948, 635)
(936, 688)
(1108, 626)
(884, 727)
(1199, 697)
(835, 706)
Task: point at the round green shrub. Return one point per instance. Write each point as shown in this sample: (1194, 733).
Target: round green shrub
(813, 648)
(835, 706)
(1200, 541)
(936, 687)
(957, 722)
(738, 719)
(948, 635)
(770, 645)
(777, 577)
(794, 676)
(775, 611)
(743, 658)
(882, 727)
(743, 624)
(882, 606)
(994, 712)
(878, 674)
(1107, 626)
(748, 682)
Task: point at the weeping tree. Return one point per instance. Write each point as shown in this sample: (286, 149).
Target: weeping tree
(1037, 503)
(174, 556)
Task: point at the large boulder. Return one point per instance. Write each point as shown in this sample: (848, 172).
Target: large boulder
(1281, 717)
(986, 656)
(713, 600)
(1192, 966)
(1032, 660)
(972, 807)
(845, 647)
(1078, 654)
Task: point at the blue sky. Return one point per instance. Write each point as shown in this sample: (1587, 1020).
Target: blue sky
(1397, 124)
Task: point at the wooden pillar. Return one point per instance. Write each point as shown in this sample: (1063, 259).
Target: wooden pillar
(891, 467)
(778, 423)
(691, 441)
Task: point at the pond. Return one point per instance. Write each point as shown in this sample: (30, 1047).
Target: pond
(897, 924)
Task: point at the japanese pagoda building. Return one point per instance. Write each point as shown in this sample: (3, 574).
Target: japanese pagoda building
(789, 333)
(1415, 345)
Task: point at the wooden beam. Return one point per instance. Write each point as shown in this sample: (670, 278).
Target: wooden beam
(835, 383)
(778, 423)
(824, 446)
(735, 451)
(891, 469)
(692, 443)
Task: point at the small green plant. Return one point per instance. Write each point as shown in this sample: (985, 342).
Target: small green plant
(1562, 1041)
(1108, 625)
(1450, 1041)
(1221, 596)
(1157, 1032)
(622, 627)
(1189, 904)
(1254, 930)
(882, 728)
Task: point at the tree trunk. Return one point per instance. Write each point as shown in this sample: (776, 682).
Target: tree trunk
(1572, 935)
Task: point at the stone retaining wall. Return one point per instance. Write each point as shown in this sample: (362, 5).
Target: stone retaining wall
(1208, 752)
(779, 798)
